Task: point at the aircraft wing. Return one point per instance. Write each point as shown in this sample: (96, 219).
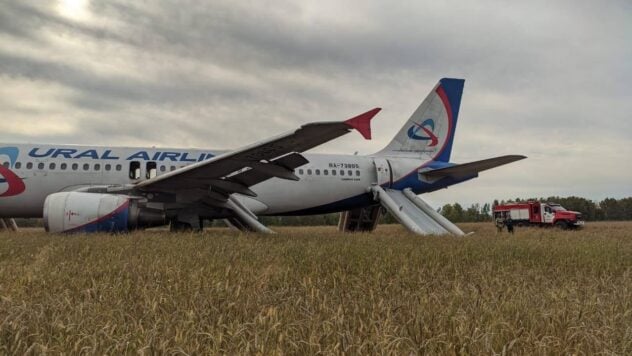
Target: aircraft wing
(467, 169)
(236, 171)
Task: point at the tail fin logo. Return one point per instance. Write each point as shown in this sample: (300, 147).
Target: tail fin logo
(428, 128)
(15, 183)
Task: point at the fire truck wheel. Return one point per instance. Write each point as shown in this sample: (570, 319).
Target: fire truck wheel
(561, 225)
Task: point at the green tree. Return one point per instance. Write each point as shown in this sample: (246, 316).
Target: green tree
(611, 209)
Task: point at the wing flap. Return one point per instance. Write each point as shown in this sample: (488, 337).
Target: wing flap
(253, 176)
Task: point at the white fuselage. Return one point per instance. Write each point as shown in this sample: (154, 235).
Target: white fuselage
(327, 183)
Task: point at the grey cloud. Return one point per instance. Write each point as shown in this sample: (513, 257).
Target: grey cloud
(541, 76)
(121, 89)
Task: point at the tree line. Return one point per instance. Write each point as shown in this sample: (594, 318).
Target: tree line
(607, 209)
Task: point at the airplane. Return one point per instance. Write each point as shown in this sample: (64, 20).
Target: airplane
(117, 189)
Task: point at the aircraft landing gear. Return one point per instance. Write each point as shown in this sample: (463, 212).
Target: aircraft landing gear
(186, 223)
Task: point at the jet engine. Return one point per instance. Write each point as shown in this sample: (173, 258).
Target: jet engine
(95, 212)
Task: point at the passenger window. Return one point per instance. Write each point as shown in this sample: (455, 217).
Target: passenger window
(342, 173)
(326, 172)
(173, 168)
(163, 168)
(119, 167)
(97, 167)
(29, 165)
(51, 166)
(150, 170)
(18, 165)
(63, 166)
(300, 171)
(108, 167)
(86, 166)
(333, 172)
(309, 172)
(40, 165)
(350, 172)
(317, 172)
(134, 170)
(358, 173)
(6, 164)
(75, 166)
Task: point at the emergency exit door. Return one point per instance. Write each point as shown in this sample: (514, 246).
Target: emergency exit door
(384, 174)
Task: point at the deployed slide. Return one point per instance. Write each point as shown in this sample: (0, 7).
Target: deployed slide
(8, 224)
(412, 212)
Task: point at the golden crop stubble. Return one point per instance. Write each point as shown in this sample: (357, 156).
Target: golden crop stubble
(309, 290)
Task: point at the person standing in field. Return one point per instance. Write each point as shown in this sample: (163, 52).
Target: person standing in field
(499, 224)
(509, 224)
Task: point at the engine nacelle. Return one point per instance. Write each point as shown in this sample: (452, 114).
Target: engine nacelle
(93, 212)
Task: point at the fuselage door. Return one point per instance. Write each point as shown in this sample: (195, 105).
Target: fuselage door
(548, 215)
(384, 173)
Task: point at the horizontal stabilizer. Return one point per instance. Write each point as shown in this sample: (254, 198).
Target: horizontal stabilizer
(467, 169)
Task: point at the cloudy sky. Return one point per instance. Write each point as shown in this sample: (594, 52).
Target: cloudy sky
(548, 79)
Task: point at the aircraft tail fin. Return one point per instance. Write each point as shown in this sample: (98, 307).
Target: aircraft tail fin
(429, 132)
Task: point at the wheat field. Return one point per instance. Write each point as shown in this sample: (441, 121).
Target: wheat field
(312, 290)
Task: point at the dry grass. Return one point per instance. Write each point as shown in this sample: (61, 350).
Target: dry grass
(311, 290)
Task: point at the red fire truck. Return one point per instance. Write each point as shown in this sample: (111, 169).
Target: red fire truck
(539, 214)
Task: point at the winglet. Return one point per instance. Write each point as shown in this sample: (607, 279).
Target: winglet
(362, 122)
